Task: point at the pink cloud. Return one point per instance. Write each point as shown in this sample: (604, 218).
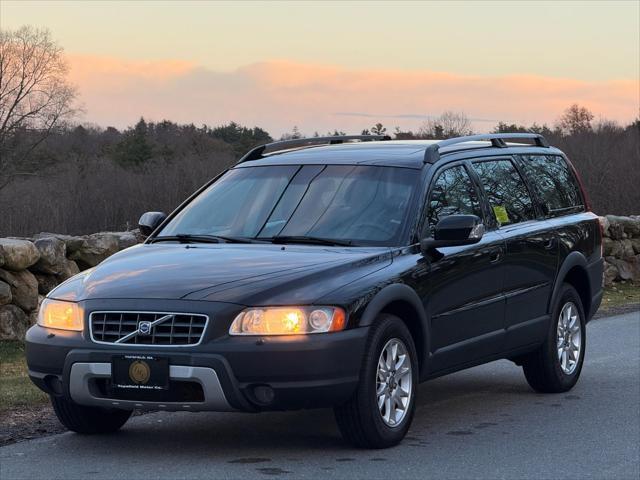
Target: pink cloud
(279, 94)
(86, 68)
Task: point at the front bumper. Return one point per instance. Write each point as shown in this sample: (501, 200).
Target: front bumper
(83, 374)
(301, 372)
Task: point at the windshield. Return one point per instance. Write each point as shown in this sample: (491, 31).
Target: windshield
(365, 205)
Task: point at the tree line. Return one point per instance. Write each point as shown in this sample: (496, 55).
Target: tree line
(86, 178)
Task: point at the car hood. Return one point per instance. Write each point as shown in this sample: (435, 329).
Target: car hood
(247, 274)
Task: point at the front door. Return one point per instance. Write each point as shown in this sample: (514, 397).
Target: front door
(464, 300)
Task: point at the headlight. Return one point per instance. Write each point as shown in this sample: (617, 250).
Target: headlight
(60, 315)
(288, 321)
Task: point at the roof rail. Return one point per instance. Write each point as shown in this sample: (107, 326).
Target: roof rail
(258, 152)
(432, 153)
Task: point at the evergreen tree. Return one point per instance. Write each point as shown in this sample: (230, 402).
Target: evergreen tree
(134, 149)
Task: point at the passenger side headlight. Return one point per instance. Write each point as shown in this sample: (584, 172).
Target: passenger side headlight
(60, 315)
(288, 321)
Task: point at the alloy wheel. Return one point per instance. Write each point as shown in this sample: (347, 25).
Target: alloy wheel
(394, 382)
(569, 338)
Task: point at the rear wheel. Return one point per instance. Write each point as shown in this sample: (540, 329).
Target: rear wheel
(82, 419)
(555, 367)
(380, 412)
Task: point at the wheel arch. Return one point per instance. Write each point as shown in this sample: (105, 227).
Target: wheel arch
(402, 301)
(574, 272)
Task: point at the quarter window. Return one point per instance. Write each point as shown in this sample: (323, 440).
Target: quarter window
(553, 182)
(506, 191)
(453, 193)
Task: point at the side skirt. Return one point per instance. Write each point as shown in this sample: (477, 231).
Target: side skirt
(507, 355)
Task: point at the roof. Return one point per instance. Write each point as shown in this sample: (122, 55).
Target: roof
(390, 153)
(397, 153)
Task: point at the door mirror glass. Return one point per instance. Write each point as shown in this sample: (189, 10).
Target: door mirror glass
(150, 221)
(454, 230)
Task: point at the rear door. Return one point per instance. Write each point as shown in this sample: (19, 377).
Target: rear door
(557, 190)
(531, 250)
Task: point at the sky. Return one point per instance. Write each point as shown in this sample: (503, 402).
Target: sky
(343, 65)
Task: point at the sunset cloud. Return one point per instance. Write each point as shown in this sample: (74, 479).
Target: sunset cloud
(88, 68)
(279, 94)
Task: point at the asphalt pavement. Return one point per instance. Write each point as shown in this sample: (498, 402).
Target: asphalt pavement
(482, 423)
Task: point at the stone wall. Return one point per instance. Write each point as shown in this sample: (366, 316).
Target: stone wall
(621, 248)
(31, 268)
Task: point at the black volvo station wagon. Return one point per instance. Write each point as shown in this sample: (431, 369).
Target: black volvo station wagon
(333, 272)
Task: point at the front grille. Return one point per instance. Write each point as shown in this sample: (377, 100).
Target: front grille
(147, 328)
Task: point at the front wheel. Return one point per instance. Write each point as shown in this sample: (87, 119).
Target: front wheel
(555, 367)
(82, 419)
(380, 412)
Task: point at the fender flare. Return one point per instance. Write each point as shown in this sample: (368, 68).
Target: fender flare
(574, 259)
(399, 292)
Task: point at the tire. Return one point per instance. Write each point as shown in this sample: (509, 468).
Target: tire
(88, 420)
(360, 420)
(544, 370)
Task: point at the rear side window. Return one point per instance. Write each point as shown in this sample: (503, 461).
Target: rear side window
(553, 182)
(506, 191)
(453, 193)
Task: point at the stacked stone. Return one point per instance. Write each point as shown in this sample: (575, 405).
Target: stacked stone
(31, 268)
(621, 245)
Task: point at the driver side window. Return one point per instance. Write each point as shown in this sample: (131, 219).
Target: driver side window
(452, 193)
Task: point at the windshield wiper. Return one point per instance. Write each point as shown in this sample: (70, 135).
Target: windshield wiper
(310, 240)
(188, 238)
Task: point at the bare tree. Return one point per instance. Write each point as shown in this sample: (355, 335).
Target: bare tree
(448, 125)
(35, 96)
(378, 129)
(575, 120)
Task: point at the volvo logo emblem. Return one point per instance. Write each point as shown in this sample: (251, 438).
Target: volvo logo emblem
(144, 328)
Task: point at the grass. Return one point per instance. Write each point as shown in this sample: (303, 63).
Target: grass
(16, 389)
(619, 295)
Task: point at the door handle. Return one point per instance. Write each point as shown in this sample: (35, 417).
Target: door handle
(550, 243)
(495, 255)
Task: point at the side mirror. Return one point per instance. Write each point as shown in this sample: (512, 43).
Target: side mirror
(150, 221)
(454, 230)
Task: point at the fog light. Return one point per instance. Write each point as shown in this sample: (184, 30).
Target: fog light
(264, 394)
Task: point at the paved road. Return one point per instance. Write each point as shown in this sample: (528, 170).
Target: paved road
(482, 423)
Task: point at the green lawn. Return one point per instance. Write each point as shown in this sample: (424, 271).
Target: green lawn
(15, 387)
(17, 390)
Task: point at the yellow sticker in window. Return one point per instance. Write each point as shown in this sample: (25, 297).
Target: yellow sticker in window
(501, 214)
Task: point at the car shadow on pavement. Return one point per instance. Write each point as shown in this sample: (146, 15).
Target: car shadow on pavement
(458, 404)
